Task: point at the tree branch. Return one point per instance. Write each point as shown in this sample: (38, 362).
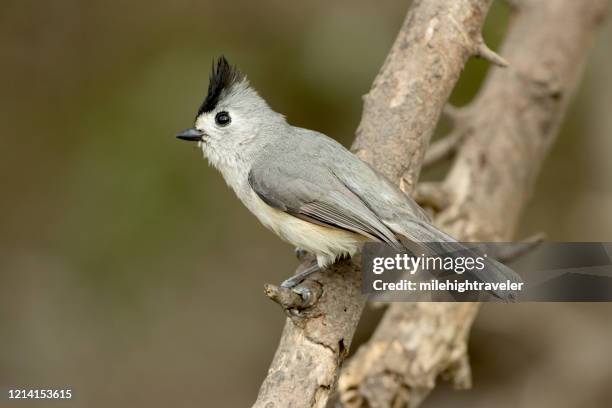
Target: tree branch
(444, 148)
(400, 114)
(483, 51)
(515, 120)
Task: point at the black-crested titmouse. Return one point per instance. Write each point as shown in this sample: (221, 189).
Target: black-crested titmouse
(303, 185)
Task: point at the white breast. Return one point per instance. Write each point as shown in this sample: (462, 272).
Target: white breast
(327, 243)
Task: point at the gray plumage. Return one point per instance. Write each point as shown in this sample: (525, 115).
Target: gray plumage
(307, 187)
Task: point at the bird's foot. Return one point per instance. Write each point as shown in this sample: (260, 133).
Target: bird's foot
(300, 276)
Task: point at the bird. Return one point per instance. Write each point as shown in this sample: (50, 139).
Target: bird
(305, 186)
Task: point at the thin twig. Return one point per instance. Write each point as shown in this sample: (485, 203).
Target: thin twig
(509, 253)
(483, 51)
(444, 148)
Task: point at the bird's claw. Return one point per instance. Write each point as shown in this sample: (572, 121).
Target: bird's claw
(304, 293)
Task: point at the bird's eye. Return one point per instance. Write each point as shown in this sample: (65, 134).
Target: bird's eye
(222, 118)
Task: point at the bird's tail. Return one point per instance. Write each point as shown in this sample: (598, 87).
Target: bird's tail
(432, 240)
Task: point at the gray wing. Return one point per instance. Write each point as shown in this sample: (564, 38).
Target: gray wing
(408, 221)
(316, 179)
(318, 196)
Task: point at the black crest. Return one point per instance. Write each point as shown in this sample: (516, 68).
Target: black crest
(223, 76)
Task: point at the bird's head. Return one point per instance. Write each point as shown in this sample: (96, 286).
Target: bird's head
(232, 118)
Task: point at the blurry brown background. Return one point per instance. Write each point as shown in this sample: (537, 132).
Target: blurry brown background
(128, 270)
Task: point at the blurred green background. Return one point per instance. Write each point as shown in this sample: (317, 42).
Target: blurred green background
(128, 270)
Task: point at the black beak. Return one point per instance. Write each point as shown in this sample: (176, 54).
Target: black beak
(191, 135)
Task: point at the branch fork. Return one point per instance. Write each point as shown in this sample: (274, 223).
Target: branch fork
(481, 50)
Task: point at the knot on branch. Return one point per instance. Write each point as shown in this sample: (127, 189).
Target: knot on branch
(295, 300)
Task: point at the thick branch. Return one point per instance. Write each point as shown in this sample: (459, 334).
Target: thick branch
(403, 107)
(400, 114)
(515, 120)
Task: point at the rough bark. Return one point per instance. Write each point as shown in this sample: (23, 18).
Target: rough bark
(509, 129)
(400, 114)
